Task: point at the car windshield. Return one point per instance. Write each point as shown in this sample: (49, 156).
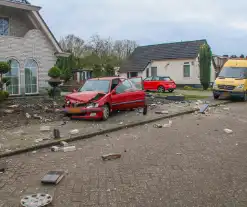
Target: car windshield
(137, 82)
(96, 85)
(230, 72)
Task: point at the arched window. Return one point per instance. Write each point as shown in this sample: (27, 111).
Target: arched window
(14, 78)
(31, 76)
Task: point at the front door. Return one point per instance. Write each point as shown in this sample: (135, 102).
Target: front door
(123, 96)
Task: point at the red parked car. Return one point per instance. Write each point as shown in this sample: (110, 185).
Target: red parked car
(98, 97)
(159, 83)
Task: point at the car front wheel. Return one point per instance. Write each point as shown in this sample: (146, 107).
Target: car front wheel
(216, 97)
(161, 89)
(106, 112)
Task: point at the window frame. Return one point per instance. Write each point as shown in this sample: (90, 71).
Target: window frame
(128, 74)
(8, 20)
(151, 78)
(9, 75)
(120, 84)
(37, 75)
(186, 64)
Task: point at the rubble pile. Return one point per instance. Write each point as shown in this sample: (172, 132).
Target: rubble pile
(18, 112)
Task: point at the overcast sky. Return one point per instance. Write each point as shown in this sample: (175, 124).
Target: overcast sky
(222, 22)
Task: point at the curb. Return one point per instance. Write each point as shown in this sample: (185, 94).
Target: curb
(113, 129)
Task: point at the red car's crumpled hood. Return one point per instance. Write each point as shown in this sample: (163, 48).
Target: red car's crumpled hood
(84, 96)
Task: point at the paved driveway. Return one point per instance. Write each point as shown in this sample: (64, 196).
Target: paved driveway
(192, 163)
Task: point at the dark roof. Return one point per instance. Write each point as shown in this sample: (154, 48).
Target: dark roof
(142, 55)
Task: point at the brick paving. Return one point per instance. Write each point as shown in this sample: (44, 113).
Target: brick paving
(24, 136)
(192, 163)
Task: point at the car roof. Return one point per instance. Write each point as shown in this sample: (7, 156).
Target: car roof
(105, 78)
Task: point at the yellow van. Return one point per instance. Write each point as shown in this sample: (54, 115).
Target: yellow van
(232, 80)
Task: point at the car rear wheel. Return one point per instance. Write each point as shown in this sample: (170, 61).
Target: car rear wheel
(216, 97)
(161, 89)
(106, 112)
(170, 90)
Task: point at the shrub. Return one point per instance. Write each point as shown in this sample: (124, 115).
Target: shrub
(4, 67)
(3, 95)
(51, 94)
(54, 72)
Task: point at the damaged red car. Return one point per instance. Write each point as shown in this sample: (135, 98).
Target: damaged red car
(98, 97)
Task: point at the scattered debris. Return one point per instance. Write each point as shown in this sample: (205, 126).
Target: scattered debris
(178, 153)
(53, 177)
(13, 106)
(168, 125)
(45, 128)
(228, 131)
(56, 134)
(74, 131)
(226, 109)
(34, 152)
(111, 157)
(121, 123)
(176, 98)
(64, 144)
(157, 126)
(3, 166)
(204, 108)
(38, 140)
(54, 149)
(69, 149)
(199, 102)
(36, 200)
(9, 111)
(162, 112)
(35, 116)
(28, 116)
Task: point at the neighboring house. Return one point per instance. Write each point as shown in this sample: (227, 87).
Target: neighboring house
(179, 60)
(81, 75)
(29, 45)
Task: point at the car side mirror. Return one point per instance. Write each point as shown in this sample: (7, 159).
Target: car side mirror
(113, 92)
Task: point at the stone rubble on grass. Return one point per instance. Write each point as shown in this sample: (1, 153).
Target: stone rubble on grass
(226, 109)
(38, 140)
(8, 111)
(36, 116)
(28, 116)
(228, 131)
(14, 106)
(45, 128)
(74, 131)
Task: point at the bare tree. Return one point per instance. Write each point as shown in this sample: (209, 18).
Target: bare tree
(73, 44)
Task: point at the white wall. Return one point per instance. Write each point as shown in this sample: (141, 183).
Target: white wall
(174, 69)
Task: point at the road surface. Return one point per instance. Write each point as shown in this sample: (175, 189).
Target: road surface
(192, 163)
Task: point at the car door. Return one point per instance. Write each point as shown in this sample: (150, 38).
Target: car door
(137, 92)
(122, 96)
(147, 83)
(155, 83)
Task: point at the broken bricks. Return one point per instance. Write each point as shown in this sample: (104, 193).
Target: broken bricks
(56, 134)
(45, 128)
(164, 125)
(112, 156)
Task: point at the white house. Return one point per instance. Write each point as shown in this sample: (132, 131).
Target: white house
(179, 60)
(29, 45)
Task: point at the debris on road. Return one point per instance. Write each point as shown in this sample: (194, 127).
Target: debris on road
(36, 200)
(35, 116)
(204, 108)
(74, 131)
(226, 109)
(45, 128)
(64, 144)
(69, 149)
(157, 126)
(14, 106)
(56, 134)
(9, 111)
(112, 156)
(121, 123)
(53, 177)
(55, 149)
(228, 131)
(168, 125)
(162, 112)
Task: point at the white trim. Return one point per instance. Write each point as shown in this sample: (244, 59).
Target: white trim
(19, 5)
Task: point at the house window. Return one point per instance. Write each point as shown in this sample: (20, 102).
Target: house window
(4, 26)
(132, 74)
(147, 72)
(13, 76)
(31, 77)
(153, 71)
(186, 69)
